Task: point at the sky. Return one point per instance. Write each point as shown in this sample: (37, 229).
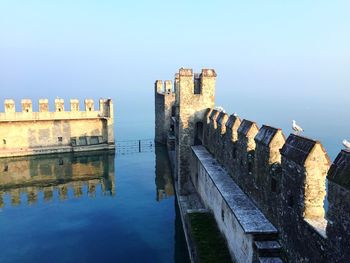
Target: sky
(276, 60)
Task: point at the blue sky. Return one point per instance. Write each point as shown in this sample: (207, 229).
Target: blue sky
(276, 60)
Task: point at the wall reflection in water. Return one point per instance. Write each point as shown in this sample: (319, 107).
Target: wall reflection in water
(164, 190)
(164, 183)
(79, 173)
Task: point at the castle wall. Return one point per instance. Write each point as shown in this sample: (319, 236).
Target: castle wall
(192, 108)
(164, 103)
(237, 218)
(28, 132)
(284, 178)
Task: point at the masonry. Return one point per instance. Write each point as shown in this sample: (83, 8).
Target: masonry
(265, 191)
(29, 133)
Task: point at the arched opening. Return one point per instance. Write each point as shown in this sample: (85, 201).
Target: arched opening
(198, 139)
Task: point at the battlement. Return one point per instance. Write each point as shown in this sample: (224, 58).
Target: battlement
(29, 132)
(27, 113)
(285, 177)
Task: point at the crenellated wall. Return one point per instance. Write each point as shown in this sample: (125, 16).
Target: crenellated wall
(164, 109)
(26, 132)
(286, 179)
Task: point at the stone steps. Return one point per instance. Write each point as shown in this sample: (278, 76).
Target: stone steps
(270, 260)
(268, 251)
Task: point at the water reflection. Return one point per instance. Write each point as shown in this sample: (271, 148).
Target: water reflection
(164, 184)
(79, 173)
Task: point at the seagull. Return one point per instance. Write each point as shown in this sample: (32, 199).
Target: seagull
(297, 128)
(346, 144)
(235, 114)
(220, 108)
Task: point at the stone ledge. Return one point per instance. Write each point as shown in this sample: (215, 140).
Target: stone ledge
(247, 214)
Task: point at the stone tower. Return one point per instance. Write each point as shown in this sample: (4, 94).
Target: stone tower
(164, 109)
(194, 95)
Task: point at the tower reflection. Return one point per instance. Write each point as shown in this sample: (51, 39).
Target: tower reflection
(64, 173)
(164, 184)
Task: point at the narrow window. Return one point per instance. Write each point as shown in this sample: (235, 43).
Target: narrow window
(6, 168)
(4, 141)
(27, 110)
(234, 152)
(273, 185)
(60, 162)
(89, 109)
(250, 167)
(197, 85)
(60, 139)
(290, 201)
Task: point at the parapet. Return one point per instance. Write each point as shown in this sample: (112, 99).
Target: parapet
(232, 120)
(208, 73)
(27, 113)
(10, 106)
(89, 105)
(168, 85)
(247, 127)
(222, 119)
(59, 105)
(339, 172)
(43, 105)
(27, 105)
(165, 88)
(298, 149)
(158, 86)
(266, 135)
(185, 72)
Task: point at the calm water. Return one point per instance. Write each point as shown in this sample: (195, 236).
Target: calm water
(89, 208)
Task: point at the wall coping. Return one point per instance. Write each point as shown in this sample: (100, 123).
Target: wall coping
(247, 214)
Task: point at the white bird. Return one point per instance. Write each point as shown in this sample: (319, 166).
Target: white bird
(235, 114)
(296, 127)
(346, 144)
(220, 108)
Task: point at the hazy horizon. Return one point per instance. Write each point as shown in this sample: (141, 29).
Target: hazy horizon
(276, 61)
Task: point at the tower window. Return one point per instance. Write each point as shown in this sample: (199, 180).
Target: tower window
(197, 87)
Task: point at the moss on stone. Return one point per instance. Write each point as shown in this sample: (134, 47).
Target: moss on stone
(210, 245)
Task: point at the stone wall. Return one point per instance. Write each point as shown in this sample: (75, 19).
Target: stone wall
(164, 110)
(27, 132)
(286, 179)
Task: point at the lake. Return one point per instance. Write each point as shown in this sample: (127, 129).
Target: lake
(89, 207)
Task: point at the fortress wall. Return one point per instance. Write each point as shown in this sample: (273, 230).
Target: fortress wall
(287, 180)
(28, 132)
(164, 109)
